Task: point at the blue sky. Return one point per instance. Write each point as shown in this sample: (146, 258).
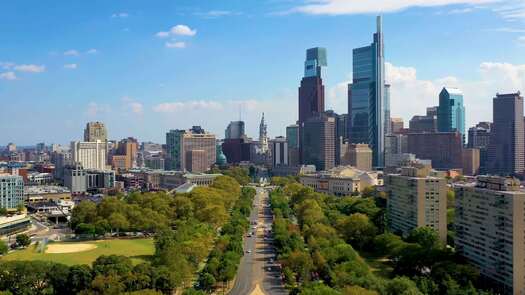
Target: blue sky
(144, 67)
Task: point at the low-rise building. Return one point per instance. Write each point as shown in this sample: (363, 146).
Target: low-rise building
(416, 198)
(46, 193)
(341, 180)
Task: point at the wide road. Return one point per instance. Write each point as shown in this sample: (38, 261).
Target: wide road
(258, 274)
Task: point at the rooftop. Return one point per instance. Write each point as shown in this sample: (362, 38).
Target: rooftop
(45, 189)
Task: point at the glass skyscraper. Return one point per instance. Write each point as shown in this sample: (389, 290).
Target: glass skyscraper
(368, 101)
(311, 92)
(451, 112)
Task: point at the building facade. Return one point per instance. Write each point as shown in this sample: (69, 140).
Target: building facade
(279, 150)
(507, 147)
(235, 130)
(95, 131)
(318, 142)
(471, 161)
(416, 199)
(368, 98)
(451, 112)
(181, 143)
(11, 191)
(341, 181)
(358, 156)
(490, 223)
(91, 155)
(479, 138)
(311, 91)
(444, 149)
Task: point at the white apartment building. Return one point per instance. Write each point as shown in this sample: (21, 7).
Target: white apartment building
(91, 155)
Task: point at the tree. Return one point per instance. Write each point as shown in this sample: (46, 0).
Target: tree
(402, 286)
(357, 229)
(163, 280)
(112, 265)
(300, 263)
(3, 248)
(118, 221)
(79, 278)
(85, 212)
(426, 237)
(206, 281)
(108, 285)
(3, 211)
(356, 290)
(23, 240)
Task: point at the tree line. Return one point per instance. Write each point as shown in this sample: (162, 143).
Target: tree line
(319, 238)
(184, 227)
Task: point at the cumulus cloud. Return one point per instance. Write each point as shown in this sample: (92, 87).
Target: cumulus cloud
(339, 7)
(30, 68)
(175, 44)
(95, 109)
(8, 76)
(71, 52)
(178, 30)
(173, 107)
(132, 105)
(6, 65)
(120, 15)
(70, 66)
(216, 13)
(92, 51)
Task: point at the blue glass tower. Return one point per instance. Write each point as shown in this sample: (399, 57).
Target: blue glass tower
(451, 112)
(368, 101)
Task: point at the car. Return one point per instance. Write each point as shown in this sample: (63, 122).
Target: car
(249, 251)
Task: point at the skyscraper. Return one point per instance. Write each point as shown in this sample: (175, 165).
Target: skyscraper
(91, 155)
(311, 92)
(506, 147)
(192, 150)
(318, 142)
(368, 97)
(95, 131)
(235, 130)
(451, 112)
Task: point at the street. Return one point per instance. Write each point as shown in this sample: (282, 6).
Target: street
(258, 272)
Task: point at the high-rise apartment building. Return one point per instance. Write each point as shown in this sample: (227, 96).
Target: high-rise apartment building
(490, 230)
(235, 130)
(444, 149)
(318, 142)
(181, 143)
(11, 147)
(91, 155)
(451, 112)
(507, 147)
(368, 98)
(416, 198)
(125, 157)
(11, 191)
(95, 131)
(471, 164)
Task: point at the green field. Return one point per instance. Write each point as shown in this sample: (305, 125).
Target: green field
(139, 250)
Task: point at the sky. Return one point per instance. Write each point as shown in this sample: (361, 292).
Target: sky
(144, 67)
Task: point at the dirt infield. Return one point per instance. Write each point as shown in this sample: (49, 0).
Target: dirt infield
(69, 248)
(257, 291)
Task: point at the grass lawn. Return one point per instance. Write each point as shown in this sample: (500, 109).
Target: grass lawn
(138, 249)
(379, 266)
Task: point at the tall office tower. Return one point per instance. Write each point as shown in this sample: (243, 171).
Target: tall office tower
(279, 147)
(490, 230)
(338, 134)
(75, 178)
(41, 147)
(11, 191)
(444, 149)
(95, 131)
(235, 130)
(479, 138)
(125, 157)
(91, 155)
(417, 199)
(506, 148)
(368, 97)
(263, 136)
(342, 127)
(181, 143)
(311, 92)
(471, 161)
(292, 136)
(359, 156)
(61, 160)
(451, 112)
(11, 147)
(318, 142)
(396, 147)
(396, 125)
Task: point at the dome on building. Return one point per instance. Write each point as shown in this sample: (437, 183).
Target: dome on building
(221, 159)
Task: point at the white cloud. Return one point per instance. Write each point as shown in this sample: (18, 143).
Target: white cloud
(339, 7)
(8, 76)
(178, 30)
(6, 65)
(521, 40)
(173, 107)
(512, 10)
(120, 15)
(71, 52)
(92, 51)
(133, 106)
(70, 66)
(177, 44)
(30, 68)
(216, 13)
(94, 109)
(461, 10)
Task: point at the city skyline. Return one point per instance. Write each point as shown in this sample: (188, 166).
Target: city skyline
(155, 57)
